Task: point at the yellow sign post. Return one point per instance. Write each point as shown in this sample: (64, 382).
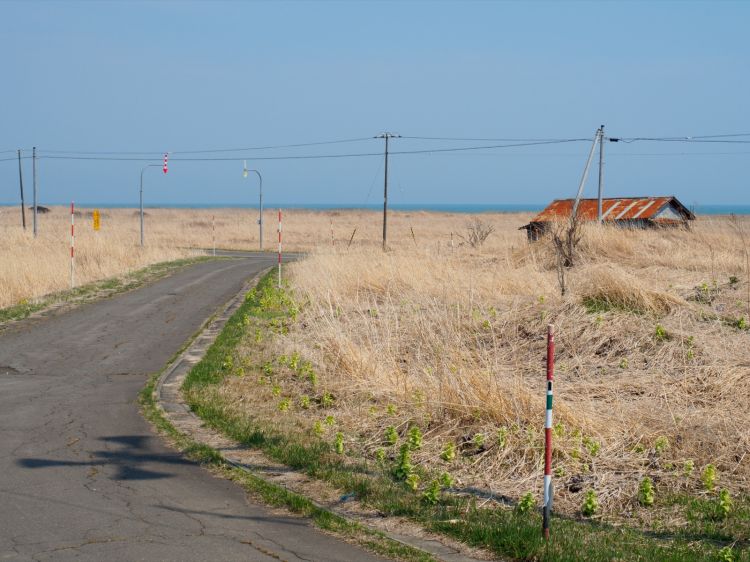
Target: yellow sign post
(97, 220)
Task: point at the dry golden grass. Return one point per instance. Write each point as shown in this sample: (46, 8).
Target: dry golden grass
(651, 364)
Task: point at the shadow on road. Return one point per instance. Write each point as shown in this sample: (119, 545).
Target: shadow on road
(132, 460)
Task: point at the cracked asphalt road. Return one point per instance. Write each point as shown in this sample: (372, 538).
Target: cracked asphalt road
(83, 477)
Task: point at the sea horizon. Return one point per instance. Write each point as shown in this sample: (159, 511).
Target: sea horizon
(465, 208)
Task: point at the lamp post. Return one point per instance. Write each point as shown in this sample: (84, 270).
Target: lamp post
(143, 170)
(260, 200)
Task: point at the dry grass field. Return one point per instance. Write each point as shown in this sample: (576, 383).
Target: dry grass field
(651, 370)
(651, 365)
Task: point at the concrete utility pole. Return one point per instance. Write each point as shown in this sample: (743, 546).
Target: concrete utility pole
(387, 136)
(33, 174)
(20, 182)
(585, 174)
(601, 174)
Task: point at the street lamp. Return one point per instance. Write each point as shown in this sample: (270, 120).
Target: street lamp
(143, 170)
(260, 200)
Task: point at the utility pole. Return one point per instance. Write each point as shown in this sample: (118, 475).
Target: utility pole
(387, 136)
(33, 174)
(601, 174)
(585, 175)
(20, 182)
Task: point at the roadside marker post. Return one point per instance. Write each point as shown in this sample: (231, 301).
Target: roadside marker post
(97, 220)
(72, 245)
(213, 231)
(547, 508)
(279, 248)
(165, 169)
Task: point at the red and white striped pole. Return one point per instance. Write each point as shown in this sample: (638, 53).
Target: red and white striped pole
(279, 248)
(547, 509)
(72, 245)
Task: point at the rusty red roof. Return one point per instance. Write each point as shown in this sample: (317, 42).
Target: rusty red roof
(615, 208)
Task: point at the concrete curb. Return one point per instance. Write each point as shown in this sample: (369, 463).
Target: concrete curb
(168, 399)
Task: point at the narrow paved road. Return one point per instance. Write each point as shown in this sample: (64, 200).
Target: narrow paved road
(83, 477)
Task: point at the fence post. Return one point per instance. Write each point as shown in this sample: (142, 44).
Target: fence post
(279, 248)
(547, 509)
(72, 245)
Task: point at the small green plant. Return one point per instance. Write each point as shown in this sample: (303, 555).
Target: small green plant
(327, 400)
(318, 428)
(526, 504)
(592, 446)
(380, 455)
(741, 323)
(708, 477)
(284, 405)
(403, 464)
(304, 402)
(276, 390)
(415, 438)
(687, 467)
(478, 440)
(267, 368)
(725, 503)
(338, 444)
(558, 429)
(624, 363)
(661, 444)
(258, 336)
(449, 452)
(431, 495)
(590, 504)
(502, 437)
(646, 492)
(294, 361)
(228, 363)
(559, 472)
(412, 481)
(446, 480)
(391, 410)
(660, 333)
(726, 555)
(391, 435)
(330, 421)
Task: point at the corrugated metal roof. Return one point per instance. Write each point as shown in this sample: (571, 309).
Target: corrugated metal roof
(613, 209)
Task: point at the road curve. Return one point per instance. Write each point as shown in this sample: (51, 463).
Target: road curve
(82, 475)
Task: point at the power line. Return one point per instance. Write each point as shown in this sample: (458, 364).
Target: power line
(493, 139)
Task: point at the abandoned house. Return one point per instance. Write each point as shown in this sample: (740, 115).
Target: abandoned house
(629, 212)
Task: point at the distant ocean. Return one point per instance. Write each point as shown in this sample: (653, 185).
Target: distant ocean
(441, 207)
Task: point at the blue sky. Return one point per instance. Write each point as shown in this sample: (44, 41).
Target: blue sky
(172, 76)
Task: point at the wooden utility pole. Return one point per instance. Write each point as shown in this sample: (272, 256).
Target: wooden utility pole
(601, 175)
(387, 136)
(33, 173)
(20, 182)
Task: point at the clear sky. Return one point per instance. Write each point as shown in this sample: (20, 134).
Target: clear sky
(179, 76)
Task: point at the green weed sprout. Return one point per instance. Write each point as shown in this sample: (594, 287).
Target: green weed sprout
(258, 336)
(687, 467)
(592, 446)
(276, 390)
(502, 437)
(391, 409)
(284, 405)
(446, 480)
(590, 504)
(403, 464)
(228, 363)
(449, 452)
(661, 444)
(313, 378)
(330, 421)
(267, 368)
(327, 400)
(391, 435)
(741, 323)
(339, 443)
(708, 477)
(412, 481)
(432, 494)
(304, 401)
(415, 438)
(624, 363)
(294, 361)
(380, 455)
(318, 428)
(660, 333)
(646, 492)
(725, 504)
(478, 440)
(725, 554)
(527, 503)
